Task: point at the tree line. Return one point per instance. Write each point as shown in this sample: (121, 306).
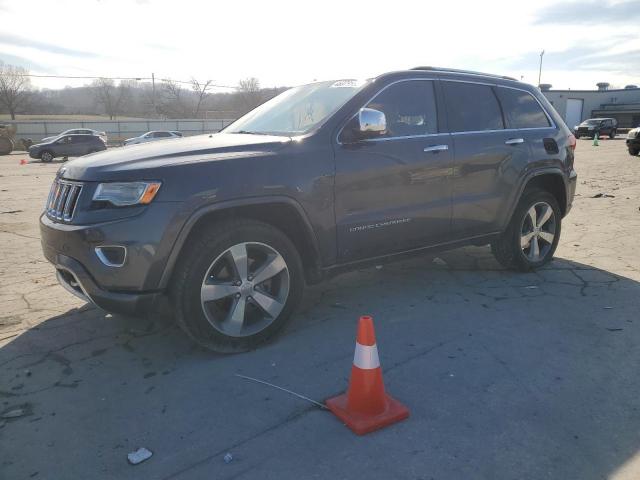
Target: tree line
(129, 98)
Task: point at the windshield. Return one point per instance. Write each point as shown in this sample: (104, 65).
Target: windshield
(593, 121)
(298, 110)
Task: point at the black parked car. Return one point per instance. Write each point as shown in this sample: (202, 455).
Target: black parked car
(633, 141)
(601, 126)
(67, 146)
(323, 178)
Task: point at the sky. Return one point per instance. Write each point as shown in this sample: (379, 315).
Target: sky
(286, 42)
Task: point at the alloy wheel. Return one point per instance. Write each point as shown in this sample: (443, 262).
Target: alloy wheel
(245, 289)
(538, 232)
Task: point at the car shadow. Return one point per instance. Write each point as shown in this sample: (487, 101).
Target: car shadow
(507, 375)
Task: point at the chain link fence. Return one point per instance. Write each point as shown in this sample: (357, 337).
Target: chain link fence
(117, 131)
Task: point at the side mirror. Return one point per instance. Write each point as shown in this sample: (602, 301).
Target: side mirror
(371, 122)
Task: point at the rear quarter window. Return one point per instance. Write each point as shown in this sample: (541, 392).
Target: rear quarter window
(521, 109)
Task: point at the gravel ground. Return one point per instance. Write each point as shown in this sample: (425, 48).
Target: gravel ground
(507, 375)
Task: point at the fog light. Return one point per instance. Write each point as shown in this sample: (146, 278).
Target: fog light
(112, 255)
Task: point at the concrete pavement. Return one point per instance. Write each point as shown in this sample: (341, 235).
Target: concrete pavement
(507, 375)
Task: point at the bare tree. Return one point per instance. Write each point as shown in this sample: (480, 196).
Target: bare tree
(201, 92)
(250, 93)
(110, 96)
(15, 88)
(174, 101)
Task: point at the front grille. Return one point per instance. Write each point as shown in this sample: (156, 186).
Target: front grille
(63, 199)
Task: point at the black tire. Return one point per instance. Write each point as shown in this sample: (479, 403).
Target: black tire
(577, 136)
(612, 135)
(46, 156)
(507, 249)
(200, 253)
(633, 151)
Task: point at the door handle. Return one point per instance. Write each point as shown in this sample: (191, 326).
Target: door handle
(514, 141)
(436, 148)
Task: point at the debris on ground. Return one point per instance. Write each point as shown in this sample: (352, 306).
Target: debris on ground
(227, 458)
(607, 308)
(603, 195)
(257, 380)
(339, 305)
(378, 267)
(439, 261)
(139, 456)
(15, 413)
(531, 287)
(615, 329)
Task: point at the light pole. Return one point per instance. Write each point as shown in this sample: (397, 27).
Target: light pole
(540, 69)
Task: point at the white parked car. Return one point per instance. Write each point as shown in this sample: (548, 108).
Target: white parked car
(152, 136)
(78, 131)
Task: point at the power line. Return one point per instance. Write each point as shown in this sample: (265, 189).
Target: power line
(187, 82)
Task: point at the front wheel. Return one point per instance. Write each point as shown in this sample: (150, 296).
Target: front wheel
(46, 156)
(533, 233)
(633, 151)
(237, 285)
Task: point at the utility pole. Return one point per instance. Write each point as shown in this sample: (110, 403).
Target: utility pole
(540, 70)
(153, 93)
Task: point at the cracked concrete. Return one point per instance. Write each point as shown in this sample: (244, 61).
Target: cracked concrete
(507, 375)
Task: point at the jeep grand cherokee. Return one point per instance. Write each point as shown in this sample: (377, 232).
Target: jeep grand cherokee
(323, 178)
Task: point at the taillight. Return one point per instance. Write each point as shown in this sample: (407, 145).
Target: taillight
(572, 142)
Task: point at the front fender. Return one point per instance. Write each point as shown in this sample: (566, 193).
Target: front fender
(193, 219)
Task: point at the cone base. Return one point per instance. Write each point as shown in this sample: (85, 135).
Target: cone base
(361, 423)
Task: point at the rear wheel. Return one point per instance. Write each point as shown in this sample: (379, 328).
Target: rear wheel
(46, 156)
(533, 233)
(633, 151)
(612, 135)
(237, 285)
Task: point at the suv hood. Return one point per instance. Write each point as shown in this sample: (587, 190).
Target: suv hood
(127, 162)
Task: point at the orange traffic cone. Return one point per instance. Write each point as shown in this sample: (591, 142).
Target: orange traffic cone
(366, 407)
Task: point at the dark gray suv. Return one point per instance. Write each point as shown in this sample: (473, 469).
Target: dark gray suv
(321, 179)
(66, 146)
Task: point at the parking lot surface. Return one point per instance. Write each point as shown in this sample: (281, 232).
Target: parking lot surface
(507, 375)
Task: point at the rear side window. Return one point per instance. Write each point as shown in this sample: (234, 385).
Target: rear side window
(162, 134)
(472, 107)
(521, 110)
(410, 108)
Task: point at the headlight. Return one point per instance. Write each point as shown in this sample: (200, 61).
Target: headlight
(124, 194)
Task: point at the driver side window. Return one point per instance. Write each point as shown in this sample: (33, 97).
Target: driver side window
(409, 107)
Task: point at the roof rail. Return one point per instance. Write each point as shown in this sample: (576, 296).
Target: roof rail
(470, 72)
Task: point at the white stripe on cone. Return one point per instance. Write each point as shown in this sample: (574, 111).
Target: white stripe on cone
(366, 357)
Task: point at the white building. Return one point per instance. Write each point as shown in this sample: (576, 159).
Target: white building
(578, 105)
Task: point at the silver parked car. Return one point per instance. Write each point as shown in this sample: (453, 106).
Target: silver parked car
(78, 131)
(152, 136)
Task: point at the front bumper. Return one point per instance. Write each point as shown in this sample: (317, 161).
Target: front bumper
(585, 132)
(76, 280)
(129, 289)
